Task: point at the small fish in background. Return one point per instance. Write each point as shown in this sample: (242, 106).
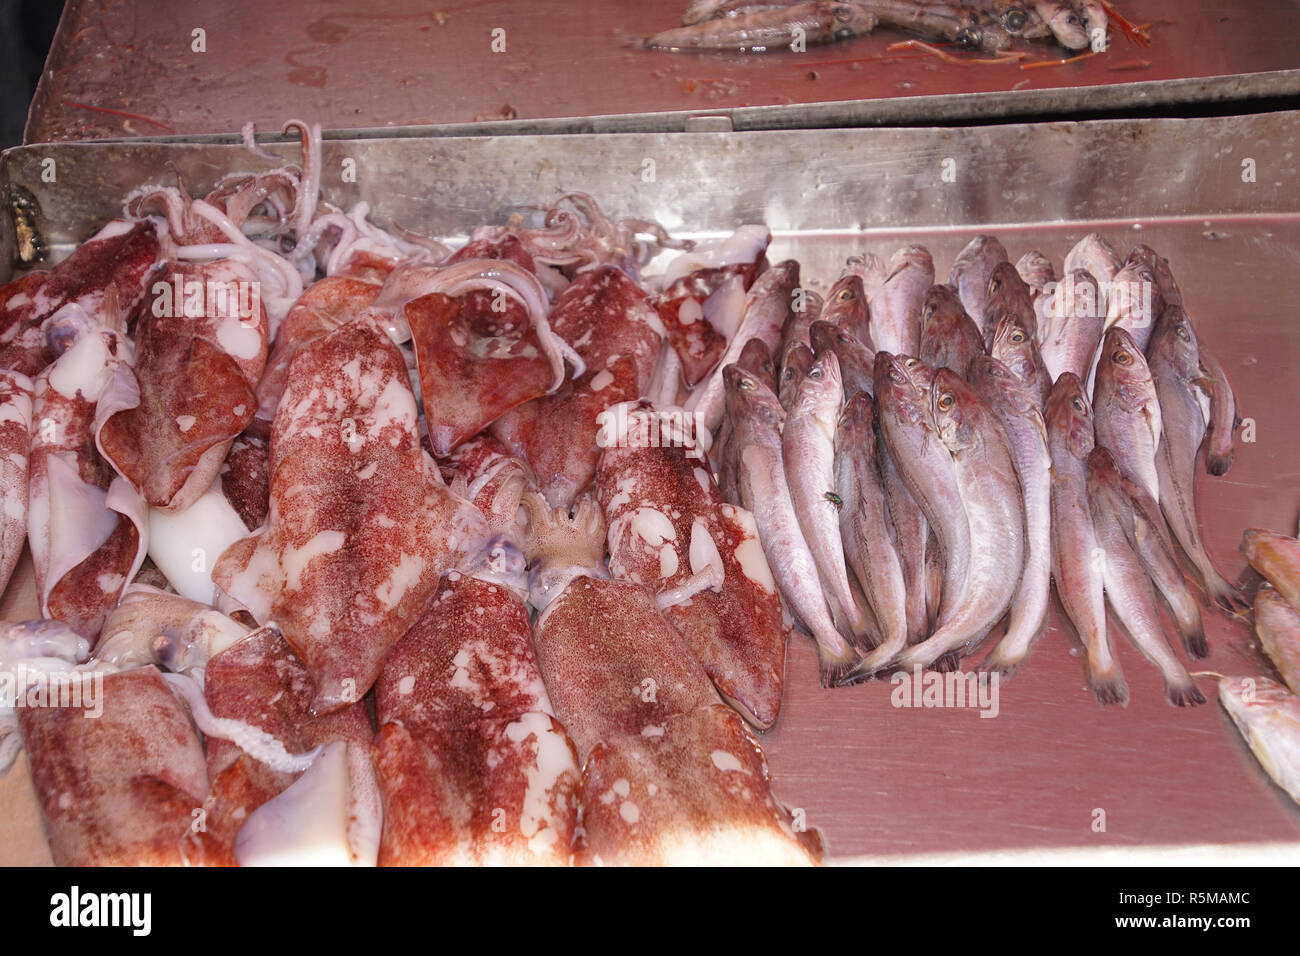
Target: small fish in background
(1268, 717)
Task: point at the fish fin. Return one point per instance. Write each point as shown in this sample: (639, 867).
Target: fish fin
(833, 667)
(1218, 465)
(1195, 643)
(1109, 688)
(948, 662)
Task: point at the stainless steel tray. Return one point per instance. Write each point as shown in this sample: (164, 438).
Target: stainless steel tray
(883, 782)
(128, 69)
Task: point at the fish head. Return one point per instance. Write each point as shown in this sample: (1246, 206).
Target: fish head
(822, 390)
(1068, 27)
(941, 310)
(1012, 345)
(822, 335)
(1069, 413)
(982, 30)
(1133, 297)
(1174, 340)
(1094, 254)
(1078, 296)
(1122, 368)
(798, 360)
(896, 391)
(857, 425)
(988, 375)
(756, 358)
(956, 411)
(852, 20)
(846, 302)
(749, 397)
(1035, 269)
(1008, 295)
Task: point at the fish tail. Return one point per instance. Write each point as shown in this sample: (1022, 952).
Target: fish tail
(1181, 691)
(835, 664)
(950, 661)
(875, 662)
(1002, 661)
(1109, 688)
(1194, 641)
(1225, 597)
(1218, 463)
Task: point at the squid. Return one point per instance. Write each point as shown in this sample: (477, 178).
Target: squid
(360, 526)
(199, 355)
(608, 320)
(88, 529)
(670, 774)
(671, 530)
(101, 284)
(15, 451)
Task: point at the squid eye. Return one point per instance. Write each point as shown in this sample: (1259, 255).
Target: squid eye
(946, 401)
(1015, 19)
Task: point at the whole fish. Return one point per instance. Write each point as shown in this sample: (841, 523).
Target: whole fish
(909, 434)
(1017, 408)
(1277, 624)
(808, 450)
(895, 308)
(1130, 593)
(1008, 298)
(1097, 257)
(971, 273)
(912, 536)
(1268, 718)
(797, 363)
(1127, 410)
(1074, 326)
(1018, 351)
(990, 492)
(757, 420)
(949, 337)
(1143, 525)
(1077, 558)
(1277, 558)
(866, 530)
(857, 362)
(1175, 369)
(817, 22)
(846, 307)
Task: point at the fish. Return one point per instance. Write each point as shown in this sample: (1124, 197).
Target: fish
(1074, 326)
(1277, 558)
(764, 492)
(1077, 558)
(1268, 719)
(808, 453)
(1127, 410)
(870, 268)
(866, 529)
(966, 25)
(846, 306)
(971, 273)
(949, 337)
(1095, 22)
(909, 434)
(1036, 270)
(797, 365)
(1130, 593)
(1064, 22)
(1017, 408)
(1175, 370)
(994, 507)
(912, 536)
(1144, 527)
(1097, 257)
(895, 308)
(1008, 297)
(1017, 349)
(1277, 625)
(819, 22)
(1134, 302)
(857, 360)
(698, 11)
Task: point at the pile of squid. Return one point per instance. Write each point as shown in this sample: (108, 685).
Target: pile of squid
(990, 26)
(348, 550)
(923, 460)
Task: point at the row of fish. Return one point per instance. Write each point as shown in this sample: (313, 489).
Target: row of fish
(924, 459)
(991, 26)
(351, 548)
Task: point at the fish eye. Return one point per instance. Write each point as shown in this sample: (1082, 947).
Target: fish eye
(929, 313)
(1120, 357)
(994, 284)
(1017, 337)
(815, 372)
(747, 384)
(1078, 404)
(911, 362)
(897, 377)
(845, 295)
(1183, 334)
(946, 401)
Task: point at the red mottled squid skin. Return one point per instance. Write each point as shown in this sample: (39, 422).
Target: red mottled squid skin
(105, 276)
(323, 307)
(734, 627)
(473, 766)
(246, 480)
(670, 775)
(15, 451)
(360, 526)
(122, 788)
(607, 318)
(261, 682)
(196, 367)
(82, 592)
(697, 343)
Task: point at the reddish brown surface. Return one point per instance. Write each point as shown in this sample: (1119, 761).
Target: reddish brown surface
(128, 69)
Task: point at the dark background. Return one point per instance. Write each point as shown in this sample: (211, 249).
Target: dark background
(26, 29)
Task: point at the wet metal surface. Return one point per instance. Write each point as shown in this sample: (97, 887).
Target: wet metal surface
(880, 780)
(130, 69)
